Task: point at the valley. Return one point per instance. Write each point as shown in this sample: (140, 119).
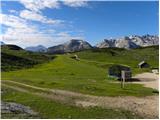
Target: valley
(79, 59)
(71, 80)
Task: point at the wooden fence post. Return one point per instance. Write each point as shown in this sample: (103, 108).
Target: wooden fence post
(122, 79)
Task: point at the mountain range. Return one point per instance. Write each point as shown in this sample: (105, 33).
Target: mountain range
(39, 48)
(70, 46)
(127, 42)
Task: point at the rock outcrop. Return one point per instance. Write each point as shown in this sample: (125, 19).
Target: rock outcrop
(71, 46)
(16, 110)
(38, 48)
(133, 41)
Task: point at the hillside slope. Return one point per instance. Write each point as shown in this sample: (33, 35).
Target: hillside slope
(66, 73)
(15, 58)
(108, 56)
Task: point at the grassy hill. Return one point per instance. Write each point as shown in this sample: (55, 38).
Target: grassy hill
(66, 73)
(109, 56)
(88, 76)
(15, 58)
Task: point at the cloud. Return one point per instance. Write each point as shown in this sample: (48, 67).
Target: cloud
(26, 37)
(13, 11)
(20, 32)
(38, 17)
(12, 21)
(37, 5)
(30, 37)
(75, 3)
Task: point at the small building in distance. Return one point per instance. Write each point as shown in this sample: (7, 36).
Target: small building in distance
(143, 64)
(116, 70)
(75, 57)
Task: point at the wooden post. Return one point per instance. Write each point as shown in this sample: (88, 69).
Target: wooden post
(123, 79)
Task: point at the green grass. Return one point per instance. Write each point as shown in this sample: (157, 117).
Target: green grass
(88, 76)
(105, 57)
(50, 109)
(21, 59)
(69, 74)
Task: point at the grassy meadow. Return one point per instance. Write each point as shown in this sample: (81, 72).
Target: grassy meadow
(88, 76)
(49, 109)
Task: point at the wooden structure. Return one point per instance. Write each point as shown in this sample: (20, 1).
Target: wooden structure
(143, 64)
(125, 75)
(116, 70)
(75, 57)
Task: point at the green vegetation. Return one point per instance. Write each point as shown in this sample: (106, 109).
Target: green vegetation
(109, 56)
(50, 109)
(15, 58)
(66, 73)
(89, 75)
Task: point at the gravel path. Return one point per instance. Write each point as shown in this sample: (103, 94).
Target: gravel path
(148, 79)
(145, 106)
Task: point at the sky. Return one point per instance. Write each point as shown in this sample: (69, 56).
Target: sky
(51, 22)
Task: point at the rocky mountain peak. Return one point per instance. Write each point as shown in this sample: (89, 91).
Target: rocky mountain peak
(133, 41)
(70, 46)
(39, 48)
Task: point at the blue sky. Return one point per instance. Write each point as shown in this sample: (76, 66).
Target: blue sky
(50, 23)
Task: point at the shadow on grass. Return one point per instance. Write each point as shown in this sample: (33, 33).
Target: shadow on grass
(131, 80)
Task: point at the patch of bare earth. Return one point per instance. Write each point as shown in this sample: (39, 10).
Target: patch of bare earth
(146, 107)
(148, 79)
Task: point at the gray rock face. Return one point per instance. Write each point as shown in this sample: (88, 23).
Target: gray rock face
(146, 40)
(38, 48)
(130, 42)
(125, 43)
(71, 46)
(11, 107)
(107, 43)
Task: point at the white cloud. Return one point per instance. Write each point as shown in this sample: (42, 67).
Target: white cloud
(26, 37)
(21, 33)
(75, 3)
(30, 15)
(12, 21)
(37, 5)
(32, 37)
(13, 11)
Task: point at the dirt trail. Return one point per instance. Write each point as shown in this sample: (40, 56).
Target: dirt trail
(148, 79)
(144, 106)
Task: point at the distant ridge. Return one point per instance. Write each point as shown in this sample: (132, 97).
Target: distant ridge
(74, 45)
(70, 46)
(129, 42)
(39, 48)
(11, 47)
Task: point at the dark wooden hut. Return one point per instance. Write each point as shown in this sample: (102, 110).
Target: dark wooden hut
(143, 64)
(115, 70)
